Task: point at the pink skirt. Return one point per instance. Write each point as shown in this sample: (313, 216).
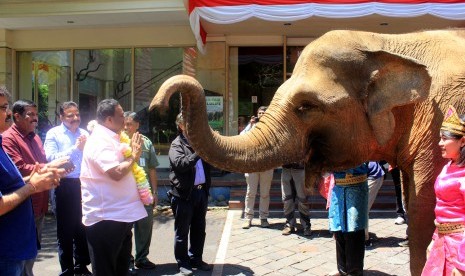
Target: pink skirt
(444, 254)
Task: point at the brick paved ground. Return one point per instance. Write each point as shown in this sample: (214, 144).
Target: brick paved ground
(258, 251)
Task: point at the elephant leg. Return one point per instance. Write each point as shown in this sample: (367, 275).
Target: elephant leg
(421, 216)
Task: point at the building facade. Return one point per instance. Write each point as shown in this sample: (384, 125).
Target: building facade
(52, 51)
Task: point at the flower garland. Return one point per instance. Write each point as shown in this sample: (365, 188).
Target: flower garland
(143, 186)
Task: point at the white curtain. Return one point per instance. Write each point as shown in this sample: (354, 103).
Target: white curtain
(237, 13)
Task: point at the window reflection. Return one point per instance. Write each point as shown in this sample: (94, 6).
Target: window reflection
(107, 73)
(152, 67)
(101, 74)
(45, 79)
(260, 73)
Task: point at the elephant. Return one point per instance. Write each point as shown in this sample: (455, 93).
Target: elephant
(353, 96)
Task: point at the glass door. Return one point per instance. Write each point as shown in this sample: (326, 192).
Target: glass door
(255, 75)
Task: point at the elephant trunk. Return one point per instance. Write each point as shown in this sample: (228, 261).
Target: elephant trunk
(268, 145)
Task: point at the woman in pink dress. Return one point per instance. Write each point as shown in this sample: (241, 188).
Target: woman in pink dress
(446, 252)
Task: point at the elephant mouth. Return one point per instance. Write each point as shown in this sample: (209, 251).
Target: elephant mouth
(314, 153)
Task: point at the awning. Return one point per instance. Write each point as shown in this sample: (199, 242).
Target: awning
(233, 11)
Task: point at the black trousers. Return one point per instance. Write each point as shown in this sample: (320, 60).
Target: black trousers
(350, 252)
(189, 215)
(395, 173)
(70, 230)
(110, 244)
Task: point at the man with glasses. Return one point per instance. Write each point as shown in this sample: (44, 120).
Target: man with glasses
(18, 239)
(25, 149)
(68, 140)
(5, 109)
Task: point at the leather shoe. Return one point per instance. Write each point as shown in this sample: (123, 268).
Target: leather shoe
(202, 266)
(185, 271)
(264, 223)
(307, 231)
(145, 265)
(288, 229)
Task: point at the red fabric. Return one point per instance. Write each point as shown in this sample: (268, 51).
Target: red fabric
(215, 3)
(325, 187)
(25, 150)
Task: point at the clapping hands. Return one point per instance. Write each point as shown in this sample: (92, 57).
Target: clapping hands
(45, 178)
(81, 142)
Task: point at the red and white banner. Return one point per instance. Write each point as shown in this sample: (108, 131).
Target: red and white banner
(233, 11)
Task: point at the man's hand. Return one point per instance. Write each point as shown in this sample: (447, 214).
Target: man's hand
(42, 179)
(81, 142)
(65, 165)
(57, 163)
(136, 145)
(253, 120)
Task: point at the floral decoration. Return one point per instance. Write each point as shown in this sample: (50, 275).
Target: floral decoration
(143, 186)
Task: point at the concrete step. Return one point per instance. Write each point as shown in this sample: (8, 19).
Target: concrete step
(385, 199)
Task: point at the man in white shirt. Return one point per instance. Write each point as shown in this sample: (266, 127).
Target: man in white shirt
(110, 200)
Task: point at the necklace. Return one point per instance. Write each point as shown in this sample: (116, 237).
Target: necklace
(143, 186)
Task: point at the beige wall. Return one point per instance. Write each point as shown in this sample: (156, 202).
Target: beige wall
(6, 57)
(102, 38)
(6, 68)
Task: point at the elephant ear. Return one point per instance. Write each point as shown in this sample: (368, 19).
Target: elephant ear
(395, 81)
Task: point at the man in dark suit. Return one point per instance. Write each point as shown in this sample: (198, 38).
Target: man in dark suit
(190, 181)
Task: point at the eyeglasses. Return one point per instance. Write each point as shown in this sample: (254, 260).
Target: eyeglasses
(5, 107)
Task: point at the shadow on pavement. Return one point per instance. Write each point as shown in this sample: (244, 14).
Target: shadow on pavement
(376, 273)
(172, 269)
(49, 242)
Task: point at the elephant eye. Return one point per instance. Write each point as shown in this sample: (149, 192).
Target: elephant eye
(306, 107)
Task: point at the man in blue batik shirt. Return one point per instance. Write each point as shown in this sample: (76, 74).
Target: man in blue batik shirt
(348, 218)
(68, 140)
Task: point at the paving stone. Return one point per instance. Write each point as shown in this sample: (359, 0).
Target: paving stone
(289, 270)
(261, 260)
(262, 270)
(259, 251)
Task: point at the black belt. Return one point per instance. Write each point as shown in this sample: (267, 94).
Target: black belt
(199, 186)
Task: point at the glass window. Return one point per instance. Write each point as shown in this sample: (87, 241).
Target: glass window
(152, 67)
(107, 73)
(155, 65)
(44, 77)
(101, 74)
(255, 75)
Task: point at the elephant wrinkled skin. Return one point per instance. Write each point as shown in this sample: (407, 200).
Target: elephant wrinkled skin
(353, 96)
